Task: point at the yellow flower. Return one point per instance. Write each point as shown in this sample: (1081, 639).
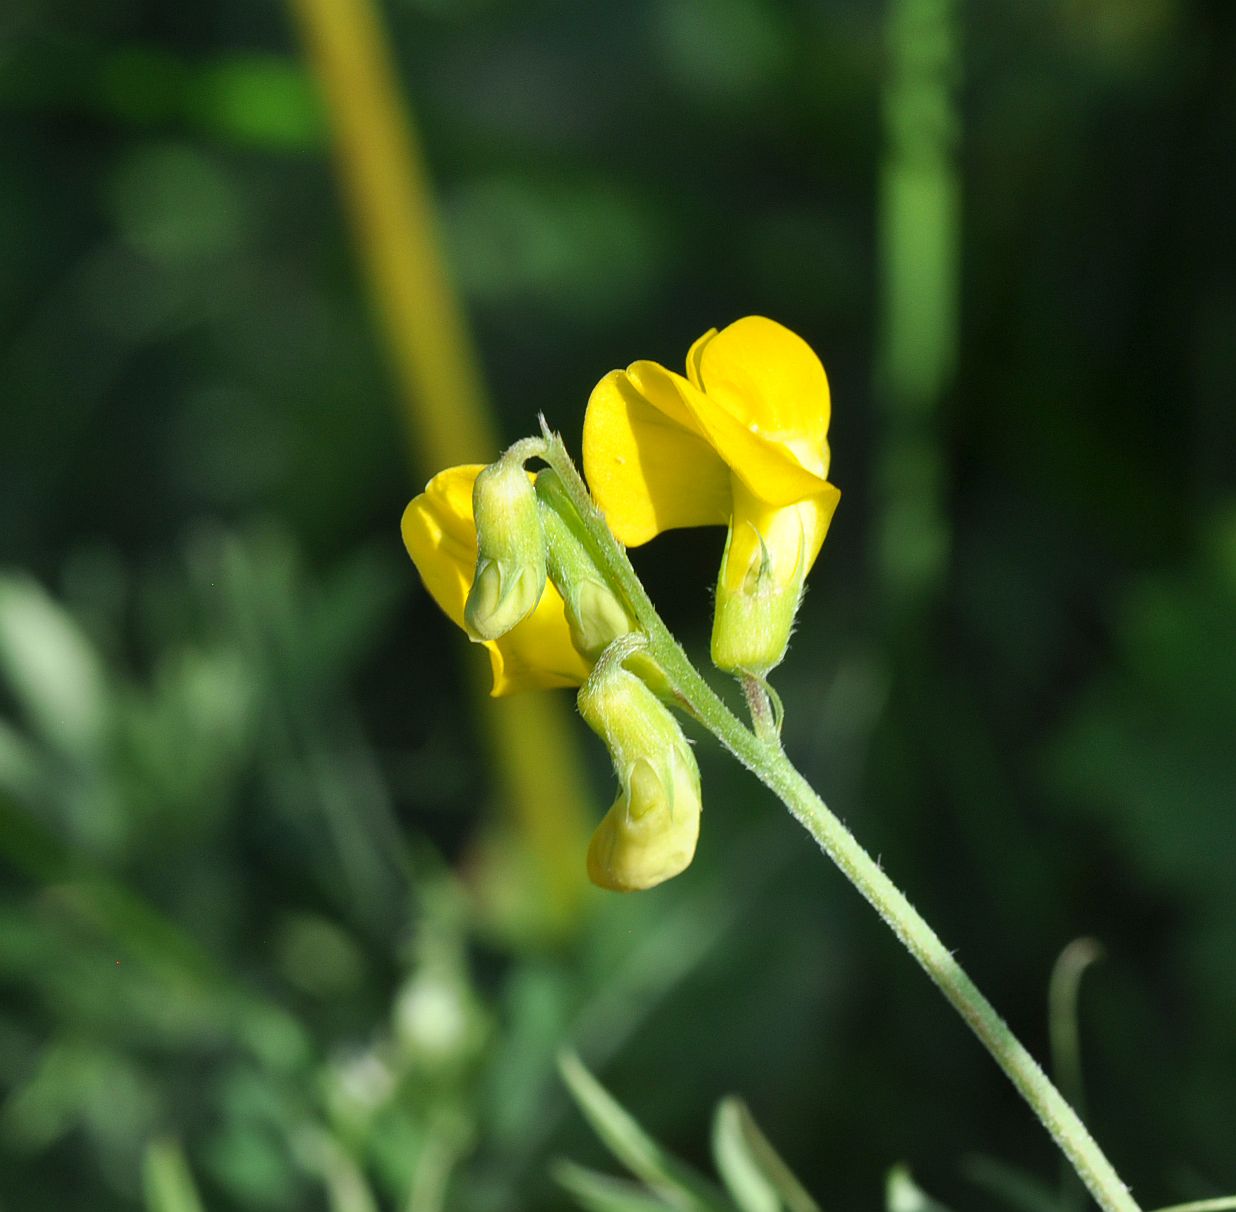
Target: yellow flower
(649, 834)
(741, 440)
(439, 532)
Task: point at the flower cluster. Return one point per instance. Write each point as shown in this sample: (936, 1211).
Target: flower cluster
(742, 441)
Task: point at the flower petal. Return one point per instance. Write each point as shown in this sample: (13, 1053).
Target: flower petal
(440, 535)
(770, 380)
(694, 355)
(538, 653)
(644, 458)
(760, 396)
(787, 537)
(767, 463)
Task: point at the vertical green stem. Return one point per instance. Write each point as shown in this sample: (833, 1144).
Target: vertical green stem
(919, 239)
(765, 758)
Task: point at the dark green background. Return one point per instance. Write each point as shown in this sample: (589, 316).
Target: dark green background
(235, 759)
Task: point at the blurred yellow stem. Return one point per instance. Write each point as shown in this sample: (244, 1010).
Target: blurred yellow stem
(382, 173)
(446, 417)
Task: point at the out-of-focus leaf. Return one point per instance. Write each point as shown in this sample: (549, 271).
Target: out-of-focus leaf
(603, 1193)
(20, 765)
(754, 1173)
(51, 667)
(632, 1146)
(1012, 1186)
(250, 99)
(176, 204)
(903, 1194)
(167, 1179)
(81, 1085)
(547, 242)
(257, 100)
(1149, 747)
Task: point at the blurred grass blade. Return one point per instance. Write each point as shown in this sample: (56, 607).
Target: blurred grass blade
(600, 1193)
(445, 412)
(1013, 1187)
(1062, 1001)
(1063, 994)
(447, 1139)
(166, 1179)
(903, 1194)
(346, 1187)
(754, 1173)
(920, 236)
(632, 1146)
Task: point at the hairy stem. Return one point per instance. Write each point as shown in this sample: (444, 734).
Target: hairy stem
(763, 755)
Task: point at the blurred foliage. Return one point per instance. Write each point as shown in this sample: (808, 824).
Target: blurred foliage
(245, 955)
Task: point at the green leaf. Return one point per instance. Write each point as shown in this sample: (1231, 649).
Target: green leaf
(52, 668)
(166, 1178)
(600, 1193)
(754, 1173)
(903, 1194)
(632, 1146)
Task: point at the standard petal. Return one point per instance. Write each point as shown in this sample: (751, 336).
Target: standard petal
(694, 354)
(769, 377)
(760, 396)
(440, 536)
(647, 465)
(767, 463)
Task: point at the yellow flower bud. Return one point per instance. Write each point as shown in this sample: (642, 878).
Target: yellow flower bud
(649, 833)
(510, 566)
(767, 555)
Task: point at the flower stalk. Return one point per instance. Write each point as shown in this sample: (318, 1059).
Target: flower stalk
(762, 753)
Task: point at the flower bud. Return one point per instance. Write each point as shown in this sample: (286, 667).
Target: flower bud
(754, 613)
(767, 555)
(595, 614)
(649, 833)
(510, 564)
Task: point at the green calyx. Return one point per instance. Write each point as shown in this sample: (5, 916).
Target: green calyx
(754, 618)
(650, 831)
(595, 613)
(511, 558)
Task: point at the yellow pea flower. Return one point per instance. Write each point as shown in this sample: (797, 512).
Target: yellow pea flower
(741, 440)
(649, 834)
(439, 531)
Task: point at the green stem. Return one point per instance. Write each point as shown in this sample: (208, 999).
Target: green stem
(765, 758)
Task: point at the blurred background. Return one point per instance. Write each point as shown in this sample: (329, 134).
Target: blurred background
(288, 906)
